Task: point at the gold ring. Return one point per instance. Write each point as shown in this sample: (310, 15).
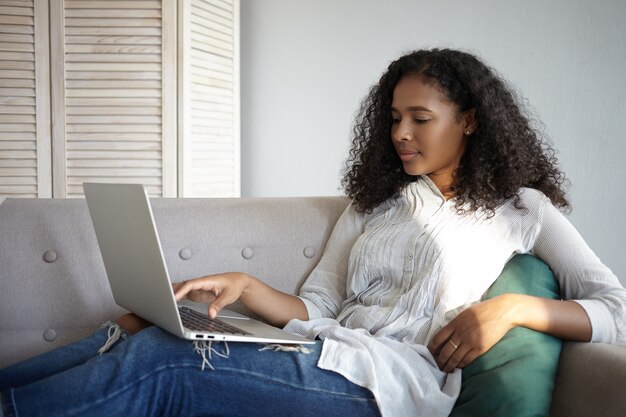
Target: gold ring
(453, 344)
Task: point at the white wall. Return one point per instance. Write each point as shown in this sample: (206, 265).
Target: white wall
(306, 65)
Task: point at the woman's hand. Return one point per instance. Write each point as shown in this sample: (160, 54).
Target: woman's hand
(473, 332)
(219, 290)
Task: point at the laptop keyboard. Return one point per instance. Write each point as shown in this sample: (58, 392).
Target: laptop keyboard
(199, 322)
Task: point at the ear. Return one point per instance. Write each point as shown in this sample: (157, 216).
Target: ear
(470, 124)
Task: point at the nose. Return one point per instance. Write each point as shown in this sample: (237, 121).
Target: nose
(401, 131)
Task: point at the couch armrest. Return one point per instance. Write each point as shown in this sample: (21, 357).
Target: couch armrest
(590, 381)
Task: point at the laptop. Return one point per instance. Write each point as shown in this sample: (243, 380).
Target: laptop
(133, 259)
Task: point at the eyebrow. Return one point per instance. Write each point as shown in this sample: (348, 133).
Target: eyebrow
(414, 108)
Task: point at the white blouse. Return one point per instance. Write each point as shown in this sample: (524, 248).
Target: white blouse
(390, 280)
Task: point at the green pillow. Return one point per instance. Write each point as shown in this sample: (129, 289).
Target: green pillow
(515, 377)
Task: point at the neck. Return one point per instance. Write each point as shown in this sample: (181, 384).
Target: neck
(444, 184)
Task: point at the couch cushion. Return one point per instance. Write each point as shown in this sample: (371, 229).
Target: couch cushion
(590, 381)
(516, 376)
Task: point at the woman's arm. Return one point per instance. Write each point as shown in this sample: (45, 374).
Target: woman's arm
(582, 276)
(276, 307)
(475, 330)
(596, 310)
(220, 290)
(566, 320)
(321, 295)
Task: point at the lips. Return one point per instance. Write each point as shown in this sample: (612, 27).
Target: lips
(407, 155)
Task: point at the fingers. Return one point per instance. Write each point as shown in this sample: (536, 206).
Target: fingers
(219, 290)
(453, 350)
(186, 289)
(219, 303)
(449, 350)
(440, 339)
(470, 357)
(453, 355)
(196, 290)
(193, 295)
(445, 351)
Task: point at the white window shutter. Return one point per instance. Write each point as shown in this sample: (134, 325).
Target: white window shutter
(110, 95)
(25, 167)
(209, 144)
(126, 91)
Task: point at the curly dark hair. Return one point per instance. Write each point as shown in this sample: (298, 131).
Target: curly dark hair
(504, 154)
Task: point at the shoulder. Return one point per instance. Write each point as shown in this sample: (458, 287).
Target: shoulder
(528, 204)
(356, 218)
(532, 196)
(531, 200)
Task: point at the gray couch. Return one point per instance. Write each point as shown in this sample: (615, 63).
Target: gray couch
(53, 287)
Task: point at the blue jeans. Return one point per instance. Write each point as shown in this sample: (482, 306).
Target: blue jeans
(153, 373)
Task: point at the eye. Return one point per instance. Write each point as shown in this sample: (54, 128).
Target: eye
(395, 120)
(421, 121)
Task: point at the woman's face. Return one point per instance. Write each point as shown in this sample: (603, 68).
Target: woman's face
(427, 131)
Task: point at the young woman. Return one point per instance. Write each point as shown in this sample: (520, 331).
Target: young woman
(448, 180)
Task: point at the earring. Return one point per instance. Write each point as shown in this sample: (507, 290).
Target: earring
(467, 133)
